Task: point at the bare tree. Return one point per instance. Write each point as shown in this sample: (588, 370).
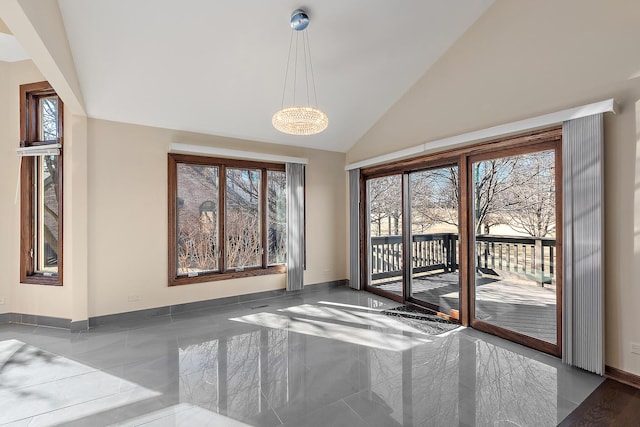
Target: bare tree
(491, 182)
(385, 202)
(277, 217)
(242, 218)
(531, 202)
(435, 197)
(197, 245)
(48, 167)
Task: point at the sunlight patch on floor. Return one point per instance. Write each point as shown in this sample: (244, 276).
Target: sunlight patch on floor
(334, 331)
(360, 318)
(45, 389)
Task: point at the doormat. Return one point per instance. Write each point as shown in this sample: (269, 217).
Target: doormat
(421, 320)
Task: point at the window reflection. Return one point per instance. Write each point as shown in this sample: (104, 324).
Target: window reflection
(455, 379)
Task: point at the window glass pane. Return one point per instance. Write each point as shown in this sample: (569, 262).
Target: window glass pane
(242, 217)
(434, 200)
(48, 119)
(46, 235)
(277, 217)
(197, 219)
(385, 233)
(514, 201)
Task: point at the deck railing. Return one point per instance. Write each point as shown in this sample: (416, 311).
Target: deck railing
(529, 257)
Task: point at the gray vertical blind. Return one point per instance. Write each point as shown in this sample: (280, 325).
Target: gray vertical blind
(354, 229)
(295, 226)
(583, 242)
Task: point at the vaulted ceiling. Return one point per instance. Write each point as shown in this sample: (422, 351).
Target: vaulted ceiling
(10, 49)
(217, 67)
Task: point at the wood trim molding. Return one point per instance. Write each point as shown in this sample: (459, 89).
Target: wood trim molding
(214, 277)
(466, 306)
(223, 273)
(622, 376)
(550, 139)
(540, 140)
(29, 96)
(506, 146)
(526, 340)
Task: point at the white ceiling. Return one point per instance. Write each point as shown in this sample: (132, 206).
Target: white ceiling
(10, 49)
(217, 67)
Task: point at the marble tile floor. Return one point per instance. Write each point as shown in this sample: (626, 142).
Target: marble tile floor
(322, 358)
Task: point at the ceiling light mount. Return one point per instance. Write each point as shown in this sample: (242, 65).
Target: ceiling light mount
(300, 119)
(299, 20)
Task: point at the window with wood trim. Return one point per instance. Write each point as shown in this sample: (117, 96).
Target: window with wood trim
(227, 219)
(41, 204)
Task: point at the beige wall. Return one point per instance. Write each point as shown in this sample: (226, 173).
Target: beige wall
(6, 204)
(115, 224)
(128, 218)
(523, 59)
(20, 298)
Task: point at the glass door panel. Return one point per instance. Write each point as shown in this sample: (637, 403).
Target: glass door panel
(513, 206)
(384, 229)
(434, 205)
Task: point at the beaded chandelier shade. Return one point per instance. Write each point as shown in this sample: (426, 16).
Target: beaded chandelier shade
(300, 119)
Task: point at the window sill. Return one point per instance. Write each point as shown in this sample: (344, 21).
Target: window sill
(38, 279)
(214, 277)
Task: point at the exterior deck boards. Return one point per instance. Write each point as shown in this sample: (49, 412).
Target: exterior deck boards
(511, 304)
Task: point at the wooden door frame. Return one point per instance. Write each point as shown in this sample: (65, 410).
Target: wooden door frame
(464, 156)
(440, 163)
(535, 343)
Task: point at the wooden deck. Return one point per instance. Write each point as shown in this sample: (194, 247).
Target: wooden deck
(517, 305)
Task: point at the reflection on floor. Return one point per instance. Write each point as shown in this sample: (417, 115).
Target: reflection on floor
(517, 305)
(314, 359)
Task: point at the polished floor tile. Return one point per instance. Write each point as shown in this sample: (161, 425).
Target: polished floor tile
(323, 358)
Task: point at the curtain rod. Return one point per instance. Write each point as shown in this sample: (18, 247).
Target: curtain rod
(606, 106)
(177, 147)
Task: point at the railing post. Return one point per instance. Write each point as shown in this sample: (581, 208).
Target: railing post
(538, 260)
(454, 252)
(447, 253)
(486, 255)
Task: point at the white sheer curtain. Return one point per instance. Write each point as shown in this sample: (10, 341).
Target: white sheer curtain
(583, 240)
(354, 229)
(295, 226)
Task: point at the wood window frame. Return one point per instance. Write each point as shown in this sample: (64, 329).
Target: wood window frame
(222, 164)
(552, 144)
(30, 94)
(549, 138)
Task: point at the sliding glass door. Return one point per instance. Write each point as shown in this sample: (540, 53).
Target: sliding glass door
(473, 235)
(384, 236)
(515, 248)
(434, 279)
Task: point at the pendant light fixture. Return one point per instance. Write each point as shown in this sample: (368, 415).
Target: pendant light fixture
(298, 118)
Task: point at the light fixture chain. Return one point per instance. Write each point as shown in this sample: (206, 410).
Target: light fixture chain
(295, 69)
(286, 71)
(306, 71)
(313, 79)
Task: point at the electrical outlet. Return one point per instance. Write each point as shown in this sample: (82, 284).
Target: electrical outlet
(1, 301)
(133, 298)
(635, 348)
